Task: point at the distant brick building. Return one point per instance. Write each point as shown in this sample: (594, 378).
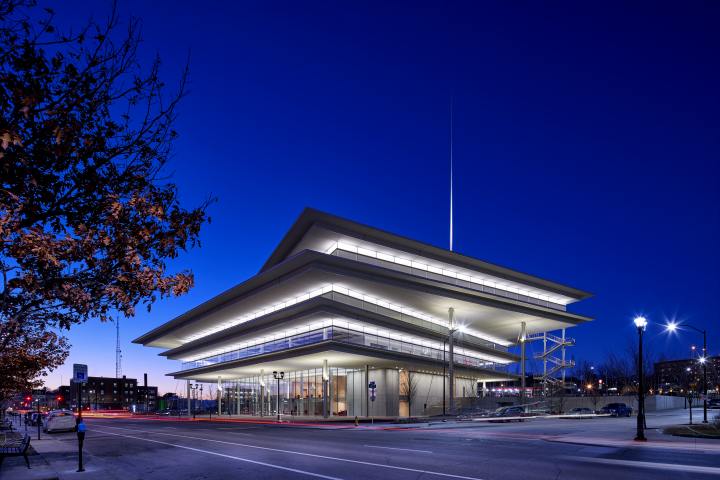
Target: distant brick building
(107, 393)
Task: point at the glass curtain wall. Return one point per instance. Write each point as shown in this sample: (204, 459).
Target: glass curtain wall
(300, 393)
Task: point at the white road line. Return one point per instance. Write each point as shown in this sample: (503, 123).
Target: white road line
(226, 456)
(405, 449)
(660, 466)
(295, 453)
(238, 433)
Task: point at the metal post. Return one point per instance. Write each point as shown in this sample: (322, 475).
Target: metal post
(704, 390)
(39, 417)
(641, 401)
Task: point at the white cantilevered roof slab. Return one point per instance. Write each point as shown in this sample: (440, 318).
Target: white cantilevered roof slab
(322, 312)
(301, 233)
(340, 356)
(497, 317)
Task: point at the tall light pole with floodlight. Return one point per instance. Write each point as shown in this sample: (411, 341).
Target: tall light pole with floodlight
(640, 323)
(278, 377)
(702, 359)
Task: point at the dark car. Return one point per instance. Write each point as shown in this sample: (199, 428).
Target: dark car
(35, 419)
(617, 410)
(508, 412)
(713, 403)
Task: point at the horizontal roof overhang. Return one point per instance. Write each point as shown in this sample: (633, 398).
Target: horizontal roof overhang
(301, 230)
(337, 355)
(318, 310)
(495, 316)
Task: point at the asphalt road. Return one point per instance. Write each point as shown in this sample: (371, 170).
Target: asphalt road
(160, 449)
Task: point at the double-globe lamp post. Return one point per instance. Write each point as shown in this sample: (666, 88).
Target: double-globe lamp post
(640, 323)
(278, 377)
(703, 360)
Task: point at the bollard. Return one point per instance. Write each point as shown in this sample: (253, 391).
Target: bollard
(356, 421)
(81, 436)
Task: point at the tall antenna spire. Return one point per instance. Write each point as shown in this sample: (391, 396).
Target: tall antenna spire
(118, 356)
(451, 176)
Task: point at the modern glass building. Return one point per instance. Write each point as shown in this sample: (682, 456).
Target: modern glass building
(339, 305)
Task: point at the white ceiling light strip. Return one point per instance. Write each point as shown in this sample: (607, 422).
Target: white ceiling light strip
(440, 271)
(359, 328)
(344, 291)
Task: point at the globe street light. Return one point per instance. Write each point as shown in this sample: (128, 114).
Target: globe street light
(278, 377)
(672, 327)
(640, 323)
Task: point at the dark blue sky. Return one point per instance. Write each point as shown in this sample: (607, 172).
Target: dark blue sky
(586, 145)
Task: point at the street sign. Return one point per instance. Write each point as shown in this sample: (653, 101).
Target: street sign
(372, 391)
(703, 397)
(80, 373)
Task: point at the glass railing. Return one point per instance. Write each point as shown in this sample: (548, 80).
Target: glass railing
(345, 335)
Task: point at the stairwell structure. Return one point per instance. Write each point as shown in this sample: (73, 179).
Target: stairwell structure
(560, 364)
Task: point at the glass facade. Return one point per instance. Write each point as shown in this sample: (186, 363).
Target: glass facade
(299, 394)
(347, 333)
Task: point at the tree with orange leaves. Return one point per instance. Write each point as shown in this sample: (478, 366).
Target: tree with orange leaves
(88, 217)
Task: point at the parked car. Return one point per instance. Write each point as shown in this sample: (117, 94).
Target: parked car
(617, 409)
(508, 412)
(581, 412)
(59, 420)
(713, 403)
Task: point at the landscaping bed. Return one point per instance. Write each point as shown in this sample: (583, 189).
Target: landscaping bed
(694, 431)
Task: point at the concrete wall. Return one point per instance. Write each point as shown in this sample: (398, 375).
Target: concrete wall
(653, 403)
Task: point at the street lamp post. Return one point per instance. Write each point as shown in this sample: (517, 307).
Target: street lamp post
(640, 323)
(703, 360)
(278, 377)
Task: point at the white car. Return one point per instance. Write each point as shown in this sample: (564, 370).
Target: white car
(59, 420)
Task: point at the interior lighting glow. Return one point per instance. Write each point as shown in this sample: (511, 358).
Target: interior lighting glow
(344, 291)
(342, 324)
(440, 271)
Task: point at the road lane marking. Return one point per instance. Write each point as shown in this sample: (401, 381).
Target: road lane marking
(238, 433)
(405, 449)
(227, 456)
(660, 466)
(291, 452)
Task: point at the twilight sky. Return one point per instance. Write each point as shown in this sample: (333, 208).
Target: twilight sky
(586, 146)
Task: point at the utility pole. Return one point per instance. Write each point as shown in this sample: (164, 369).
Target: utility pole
(118, 355)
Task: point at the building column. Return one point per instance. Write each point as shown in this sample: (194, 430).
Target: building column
(366, 391)
(522, 359)
(484, 389)
(220, 395)
(301, 400)
(451, 328)
(262, 392)
(325, 389)
(188, 397)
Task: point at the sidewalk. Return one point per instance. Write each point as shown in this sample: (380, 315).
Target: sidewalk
(57, 460)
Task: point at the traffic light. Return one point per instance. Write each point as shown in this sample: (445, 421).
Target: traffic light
(27, 399)
(59, 399)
